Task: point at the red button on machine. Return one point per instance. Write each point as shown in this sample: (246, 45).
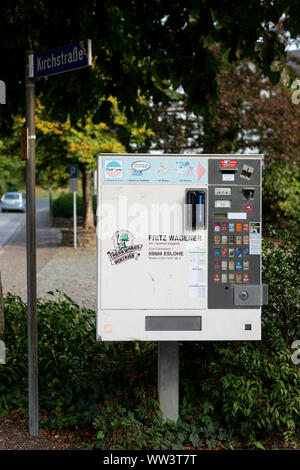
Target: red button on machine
(248, 208)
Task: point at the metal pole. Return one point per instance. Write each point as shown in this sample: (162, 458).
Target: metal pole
(168, 379)
(75, 219)
(31, 253)
(50, 198)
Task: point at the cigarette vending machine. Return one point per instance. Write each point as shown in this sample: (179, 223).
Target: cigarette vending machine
(179, 247)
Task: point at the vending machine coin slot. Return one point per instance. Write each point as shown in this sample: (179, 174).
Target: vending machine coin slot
(248, 193)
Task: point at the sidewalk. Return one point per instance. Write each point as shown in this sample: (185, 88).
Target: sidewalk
(74, 272)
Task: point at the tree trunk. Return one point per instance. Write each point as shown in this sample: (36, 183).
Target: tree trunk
(88, 216)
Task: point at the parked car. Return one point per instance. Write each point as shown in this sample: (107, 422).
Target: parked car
(13, 201)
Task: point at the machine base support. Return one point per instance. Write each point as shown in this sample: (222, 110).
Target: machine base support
(168, 379)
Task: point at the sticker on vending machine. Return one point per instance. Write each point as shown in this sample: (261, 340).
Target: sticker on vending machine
(247, 172)
(228, 163)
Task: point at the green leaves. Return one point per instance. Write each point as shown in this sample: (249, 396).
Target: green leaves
(281, 191)
(281, 317)
(228, 389)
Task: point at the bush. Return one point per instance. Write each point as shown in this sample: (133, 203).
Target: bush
(281, 261)
(62, 206)
(68, 360)
(281, 192)
(245, 387)
(227, 390)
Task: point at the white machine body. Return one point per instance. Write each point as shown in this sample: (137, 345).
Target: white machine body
(179, 247)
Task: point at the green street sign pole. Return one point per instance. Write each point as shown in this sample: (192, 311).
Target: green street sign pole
(33, 394)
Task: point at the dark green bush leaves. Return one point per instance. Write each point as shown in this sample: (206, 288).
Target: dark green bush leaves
(227, 389)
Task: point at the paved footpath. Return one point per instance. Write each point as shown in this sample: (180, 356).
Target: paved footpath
(69, 270)
(73, 271)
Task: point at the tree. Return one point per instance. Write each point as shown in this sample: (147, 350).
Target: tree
(123, 238)
(251, 114)
(60, 144)
(12, 169)
(139, 49)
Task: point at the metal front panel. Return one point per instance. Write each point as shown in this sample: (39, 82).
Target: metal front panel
(242, 177)
(231, 218)
(248, 295)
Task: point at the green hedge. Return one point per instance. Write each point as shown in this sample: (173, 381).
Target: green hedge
(281, 192)
(228, 390)
(62, 206)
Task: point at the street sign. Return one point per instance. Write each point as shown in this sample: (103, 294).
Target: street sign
(24, 140)
(73, 171)
(64, 59)
(73, 185)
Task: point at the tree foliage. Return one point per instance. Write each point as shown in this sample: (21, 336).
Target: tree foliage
(60, 144)
(12, 169)
(139, 49)
(251, 115)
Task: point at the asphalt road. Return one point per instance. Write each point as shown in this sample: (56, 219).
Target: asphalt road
(13, 245)
(9, 223)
